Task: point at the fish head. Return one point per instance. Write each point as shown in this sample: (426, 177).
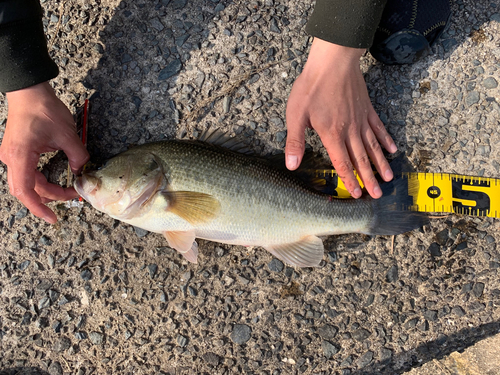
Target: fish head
(124, 185)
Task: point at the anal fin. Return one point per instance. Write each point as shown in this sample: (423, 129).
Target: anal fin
(308, 252)
(184, 243)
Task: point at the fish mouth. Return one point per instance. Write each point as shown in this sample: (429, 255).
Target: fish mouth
(86, 184)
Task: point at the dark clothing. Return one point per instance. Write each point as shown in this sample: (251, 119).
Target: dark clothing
(347, 23)
(24, 59)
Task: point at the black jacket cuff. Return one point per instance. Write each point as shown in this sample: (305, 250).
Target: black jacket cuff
(24, 59)
(347, 23)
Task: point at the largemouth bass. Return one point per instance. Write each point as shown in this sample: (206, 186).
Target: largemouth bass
(191, 189)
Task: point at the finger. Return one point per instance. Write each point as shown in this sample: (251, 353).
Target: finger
(363, 166)
(22, 183)
(295, 139)
(381, 133)
(374, 150)
(76, 152)
(341, 161)
(52, 192)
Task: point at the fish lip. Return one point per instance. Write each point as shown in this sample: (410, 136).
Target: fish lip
(78, 185)
(91, 180)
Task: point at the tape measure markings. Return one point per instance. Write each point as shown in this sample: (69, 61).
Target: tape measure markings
(438, 192)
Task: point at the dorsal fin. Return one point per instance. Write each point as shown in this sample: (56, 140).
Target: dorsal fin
(219, 138)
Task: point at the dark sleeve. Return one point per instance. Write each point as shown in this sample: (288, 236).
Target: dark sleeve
(347, 23)
(24, 59)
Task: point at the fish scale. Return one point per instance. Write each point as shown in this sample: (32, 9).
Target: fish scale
(259, 205)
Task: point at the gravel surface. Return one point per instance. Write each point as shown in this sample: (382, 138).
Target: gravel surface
(91, 295)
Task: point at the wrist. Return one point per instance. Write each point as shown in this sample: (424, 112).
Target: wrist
(35, 92)
(324, 53)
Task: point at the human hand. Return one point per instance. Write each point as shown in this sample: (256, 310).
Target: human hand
(38, 122)
(331, 97)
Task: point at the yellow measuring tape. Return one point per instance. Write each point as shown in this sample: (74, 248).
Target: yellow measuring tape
(437, 192)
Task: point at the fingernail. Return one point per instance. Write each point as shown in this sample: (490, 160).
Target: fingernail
(388, 175)
(356, 193)
(50, 219)
(392, 148)
(292, 162)
(377, 192)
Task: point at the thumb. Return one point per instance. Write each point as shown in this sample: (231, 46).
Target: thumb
(294, 149)
(77, 154)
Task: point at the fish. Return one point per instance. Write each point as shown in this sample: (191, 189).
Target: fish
(212, 189)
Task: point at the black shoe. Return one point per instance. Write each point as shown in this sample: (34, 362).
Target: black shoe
(408, 29)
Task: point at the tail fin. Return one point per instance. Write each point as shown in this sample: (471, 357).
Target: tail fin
(391, 211)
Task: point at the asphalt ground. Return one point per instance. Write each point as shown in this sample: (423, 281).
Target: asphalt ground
(90, 295)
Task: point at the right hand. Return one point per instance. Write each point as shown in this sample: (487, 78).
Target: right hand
(38, 122)
(331, 96)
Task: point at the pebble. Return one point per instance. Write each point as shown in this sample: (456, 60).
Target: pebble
(327, 332)
(476, 307)
(490, 83)
(431, 315)
(277, 121)
(156, 24)
(364, 360)
(458, 311)
(280, 136)
(472, 98)
(173, 68)
(211, 358)
(276, 265)
(24, 265)
(43, 303)
(62, 344)
(219, 8)
(179, 4)
(434, 249)
(442, 237)
(241, 334)
(226, 104)
(329, 349)
(53, 295)
(96, 338)
(153, 269)
(392, 274)
(140, 232)
(182, 341)
(478, 289)
(86, 274)
(274, 26)
(80, 335)
(46, 241)
(64, 300)
(22, 213)
(360, 334)
(55, 369)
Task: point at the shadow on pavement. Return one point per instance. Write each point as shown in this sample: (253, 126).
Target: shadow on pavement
(436, 349)
(23, 371)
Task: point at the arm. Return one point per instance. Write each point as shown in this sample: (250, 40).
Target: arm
(37, 120)
(331, 96)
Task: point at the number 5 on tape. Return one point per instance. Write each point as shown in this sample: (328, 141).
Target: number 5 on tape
(444, 192)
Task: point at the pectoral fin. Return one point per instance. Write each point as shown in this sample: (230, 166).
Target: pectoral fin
(184, 243)
(193, 207)
(308, 252)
